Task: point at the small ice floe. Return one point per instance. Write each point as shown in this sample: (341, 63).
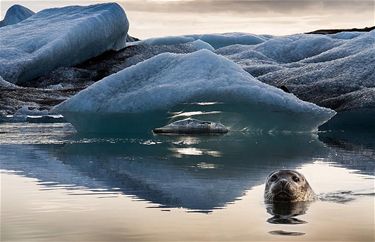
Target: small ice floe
(192, 126)
(32, 114)
(29, 110)
(343, 196)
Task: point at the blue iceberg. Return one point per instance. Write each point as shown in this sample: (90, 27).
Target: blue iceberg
(202, 85)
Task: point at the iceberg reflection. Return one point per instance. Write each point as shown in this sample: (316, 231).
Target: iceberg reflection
(165, 172)
(195, 173)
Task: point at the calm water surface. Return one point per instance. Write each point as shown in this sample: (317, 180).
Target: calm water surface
(58, 186)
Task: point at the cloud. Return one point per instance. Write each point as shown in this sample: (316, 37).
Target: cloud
(249, 6)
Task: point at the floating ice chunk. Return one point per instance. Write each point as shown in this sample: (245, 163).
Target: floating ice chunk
(60, 37)
(192, 126)
(32, 114)
(16, 14)
(143, 96)
(24, 113)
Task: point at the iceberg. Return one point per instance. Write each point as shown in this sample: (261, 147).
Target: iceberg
(16, 14)
(202, 85)
(328, 70)
(60, 37)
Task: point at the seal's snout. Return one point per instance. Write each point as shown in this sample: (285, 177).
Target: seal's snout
(283, 197)
(283, 184)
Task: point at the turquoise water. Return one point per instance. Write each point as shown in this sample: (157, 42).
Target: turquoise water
(59, 186)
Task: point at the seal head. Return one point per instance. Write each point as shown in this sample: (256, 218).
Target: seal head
(287, 186)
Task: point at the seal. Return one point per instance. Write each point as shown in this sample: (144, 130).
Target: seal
(287, 186)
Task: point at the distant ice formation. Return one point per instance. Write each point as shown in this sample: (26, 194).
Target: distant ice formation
(176, 40)
(226, 39)
(60, 37)
(215, 40)
(167, 40)
(16, 14)
(335, 71)
(170, 86)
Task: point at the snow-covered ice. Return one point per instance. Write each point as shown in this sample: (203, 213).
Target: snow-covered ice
(16, 14)
(60, 37)
(328, 70)
(169, 86)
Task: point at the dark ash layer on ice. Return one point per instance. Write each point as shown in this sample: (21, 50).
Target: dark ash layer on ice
(51, 89)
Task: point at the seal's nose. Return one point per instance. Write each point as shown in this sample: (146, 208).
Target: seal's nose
(283, 183)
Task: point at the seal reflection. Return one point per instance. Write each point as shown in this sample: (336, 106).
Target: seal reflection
(287, 213)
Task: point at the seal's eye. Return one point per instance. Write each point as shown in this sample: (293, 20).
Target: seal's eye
(273, 178)
(295, 178)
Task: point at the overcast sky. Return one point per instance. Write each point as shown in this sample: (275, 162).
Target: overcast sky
(174, 17)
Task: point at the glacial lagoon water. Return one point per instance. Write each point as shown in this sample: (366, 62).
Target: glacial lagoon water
(59, 186)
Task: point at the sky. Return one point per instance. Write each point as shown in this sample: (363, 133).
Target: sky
(152, 18)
